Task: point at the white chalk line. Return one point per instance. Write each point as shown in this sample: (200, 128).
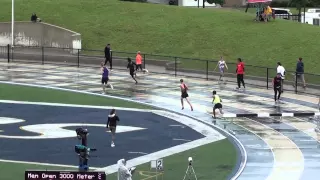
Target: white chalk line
(42, 164)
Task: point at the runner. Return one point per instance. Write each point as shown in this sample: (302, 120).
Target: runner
(222, 66)
(276, 83)
(112, 125)
(299, 73)
(184, 94)
(105, 78)
(131, 66)
(240, 73)
(217, 103)
(282, 71)
(107, 55)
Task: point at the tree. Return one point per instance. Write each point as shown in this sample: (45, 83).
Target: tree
(299, 4)
(221, 2)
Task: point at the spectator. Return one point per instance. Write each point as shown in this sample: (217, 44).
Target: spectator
(124, 173)
(107, 55)
(138, 61)
(34, 18)
(267, 13)
(299, 73)
(282, 72)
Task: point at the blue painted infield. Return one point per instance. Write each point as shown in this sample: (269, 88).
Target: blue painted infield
(157, 135)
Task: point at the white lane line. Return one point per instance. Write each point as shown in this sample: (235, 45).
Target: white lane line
(42, 164)
(181, 140)
(177, 125)
(72, 105)
(138, 153)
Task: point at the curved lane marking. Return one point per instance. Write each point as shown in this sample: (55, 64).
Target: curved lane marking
(289, 160)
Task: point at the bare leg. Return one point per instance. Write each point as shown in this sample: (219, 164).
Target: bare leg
(104, 88)
(214, 113)
(113, 133)
(182, 103)
(220, 109)
(110, 85)
(189, 104)
(134, 79)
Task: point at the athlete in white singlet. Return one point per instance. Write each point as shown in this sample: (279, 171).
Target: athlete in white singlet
(222, 66)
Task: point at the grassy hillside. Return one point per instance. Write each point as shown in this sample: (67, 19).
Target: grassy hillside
(178, 31)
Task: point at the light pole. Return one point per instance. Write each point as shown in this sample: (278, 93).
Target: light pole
(12, 24)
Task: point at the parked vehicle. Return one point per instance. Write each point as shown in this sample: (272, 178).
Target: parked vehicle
(282, 13)
(312, 17)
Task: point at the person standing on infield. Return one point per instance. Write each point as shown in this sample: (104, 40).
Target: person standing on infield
(184, 94)
(276, 83)
(240, 73)
(132, 67)
(282, 71)
(105, 78)
(217, 103)
(112, 125)
(107, 55)
(222, 66)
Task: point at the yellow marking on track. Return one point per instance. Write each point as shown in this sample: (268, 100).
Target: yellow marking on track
(288, 158)
(304, 126)
(148, 177)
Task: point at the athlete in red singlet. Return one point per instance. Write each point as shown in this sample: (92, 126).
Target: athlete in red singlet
(184, 94)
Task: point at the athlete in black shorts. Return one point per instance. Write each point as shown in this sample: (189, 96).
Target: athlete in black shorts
(276, 83)
(105, 78)
(112, 124)
(184, 94)
(217, 103)
(131, 66)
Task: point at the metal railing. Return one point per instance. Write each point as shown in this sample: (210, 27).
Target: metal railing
(176, 66)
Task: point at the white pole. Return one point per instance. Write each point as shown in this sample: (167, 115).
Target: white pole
(12, 24)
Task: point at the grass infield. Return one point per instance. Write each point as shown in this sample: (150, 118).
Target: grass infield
(215, 160)
(177, 31)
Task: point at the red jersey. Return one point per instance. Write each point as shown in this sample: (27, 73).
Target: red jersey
(240, 68)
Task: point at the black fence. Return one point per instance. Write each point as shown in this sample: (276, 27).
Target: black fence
(176, 66)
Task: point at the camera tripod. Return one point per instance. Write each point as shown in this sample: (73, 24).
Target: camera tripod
(190, 172)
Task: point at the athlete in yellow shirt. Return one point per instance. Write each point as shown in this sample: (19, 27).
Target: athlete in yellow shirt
(217, 104)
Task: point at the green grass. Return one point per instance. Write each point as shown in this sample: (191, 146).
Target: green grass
(212, 161)
(177, 31)
(34, 94)
(14, 171)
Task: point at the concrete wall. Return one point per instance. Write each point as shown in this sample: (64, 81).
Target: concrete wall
(39, 34)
